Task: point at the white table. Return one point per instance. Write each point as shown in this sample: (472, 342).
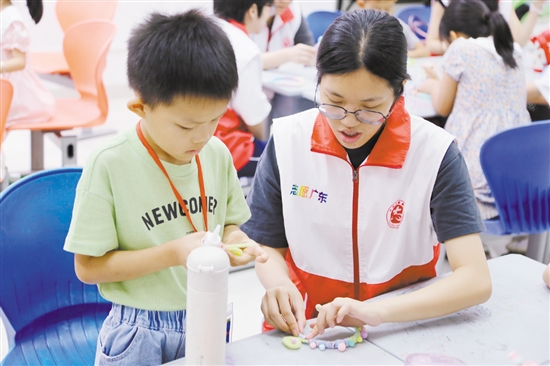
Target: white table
(516, 318)
(268, 349)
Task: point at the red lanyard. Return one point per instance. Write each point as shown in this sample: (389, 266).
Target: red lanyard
(178, 196)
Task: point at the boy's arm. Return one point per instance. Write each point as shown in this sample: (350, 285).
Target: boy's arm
(468, 285)
(123, 265)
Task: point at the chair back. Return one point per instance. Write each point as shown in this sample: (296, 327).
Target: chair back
(319, 21)
(37, 277)
(417, 17)
(70, 12)
(516, 164)
(6, 94)
(85, 46)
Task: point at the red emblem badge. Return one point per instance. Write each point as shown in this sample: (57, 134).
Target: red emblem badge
(286, 42)
(394, 216)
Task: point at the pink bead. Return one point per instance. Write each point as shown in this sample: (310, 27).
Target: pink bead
(312, 345)
(293, 341)
(341, 347)
(364, 333)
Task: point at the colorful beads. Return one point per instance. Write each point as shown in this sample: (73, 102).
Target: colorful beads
(339, 344)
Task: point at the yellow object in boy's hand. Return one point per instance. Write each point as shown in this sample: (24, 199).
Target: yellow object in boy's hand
(237, 249)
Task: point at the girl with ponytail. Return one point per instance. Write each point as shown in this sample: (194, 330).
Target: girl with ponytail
(32, 102)
(482, 88)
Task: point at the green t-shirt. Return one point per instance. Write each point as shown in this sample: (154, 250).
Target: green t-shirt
(124, 202)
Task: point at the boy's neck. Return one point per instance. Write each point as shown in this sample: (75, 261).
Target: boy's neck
(4, 4)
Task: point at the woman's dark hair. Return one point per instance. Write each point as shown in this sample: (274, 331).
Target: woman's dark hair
(475, 19)
(35, 9)
(185, 54)
(367, 39)
(236, 9)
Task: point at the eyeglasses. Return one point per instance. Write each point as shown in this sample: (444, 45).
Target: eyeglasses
(363, 115)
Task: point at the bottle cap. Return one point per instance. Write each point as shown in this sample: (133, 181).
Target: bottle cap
(213, 238)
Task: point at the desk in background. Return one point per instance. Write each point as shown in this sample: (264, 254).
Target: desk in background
(296, 80)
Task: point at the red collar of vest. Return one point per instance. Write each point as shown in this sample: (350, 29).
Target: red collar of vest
(239, 25)
(389, 151)
(287, 15)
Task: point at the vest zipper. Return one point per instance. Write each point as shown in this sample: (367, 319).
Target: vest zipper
(355, 243)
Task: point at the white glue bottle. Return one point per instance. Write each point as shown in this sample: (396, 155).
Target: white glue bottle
(207, 282)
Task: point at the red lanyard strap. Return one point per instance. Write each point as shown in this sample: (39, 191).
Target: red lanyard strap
(176, 193)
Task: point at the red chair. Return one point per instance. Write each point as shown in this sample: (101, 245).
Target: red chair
(85, 47)
(70, 12)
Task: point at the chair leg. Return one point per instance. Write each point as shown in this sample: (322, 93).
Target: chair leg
(539, 247)
(37, 150)
(68, 150)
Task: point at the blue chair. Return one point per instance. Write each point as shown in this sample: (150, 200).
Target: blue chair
(51, 318)
(516, 164)
(319, 21)
(417, 17)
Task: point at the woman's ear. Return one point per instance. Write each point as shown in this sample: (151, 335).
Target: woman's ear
(137, 106)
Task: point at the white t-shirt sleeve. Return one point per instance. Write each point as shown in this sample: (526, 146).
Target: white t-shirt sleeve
(249, 101)
(505, 7)
(543, 84)
(412, 39)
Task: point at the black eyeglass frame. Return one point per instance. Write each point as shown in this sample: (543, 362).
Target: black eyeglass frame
(381, 121)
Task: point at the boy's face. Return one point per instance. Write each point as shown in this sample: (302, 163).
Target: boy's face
(178, 131)
(255, 22)
(382, 5)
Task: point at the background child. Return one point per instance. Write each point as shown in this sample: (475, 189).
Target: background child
(286, 37)
(415, 46)
(243, 127)
(132, 234)
(32, 102)
(521, 32)
(483, 86)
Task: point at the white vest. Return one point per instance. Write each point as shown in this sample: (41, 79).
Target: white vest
(283, 30)
(394, 226)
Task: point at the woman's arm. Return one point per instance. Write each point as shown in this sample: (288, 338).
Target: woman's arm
(468, 285)
(434, 44)
(300, 53)
(522, 31)
(282, 304)
(15, 63)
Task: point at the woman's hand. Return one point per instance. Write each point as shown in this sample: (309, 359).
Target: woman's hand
(283, 309)
(302, 54)
(345, 312)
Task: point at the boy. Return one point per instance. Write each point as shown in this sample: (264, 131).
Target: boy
(131, 233)
(416, 47)
(243, 129)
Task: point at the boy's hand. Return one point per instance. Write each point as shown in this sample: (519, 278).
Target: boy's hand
(283, 308)
(244, 252)
(186, 244)
(345, 312)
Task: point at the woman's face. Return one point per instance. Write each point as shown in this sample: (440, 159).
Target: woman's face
(354, 91)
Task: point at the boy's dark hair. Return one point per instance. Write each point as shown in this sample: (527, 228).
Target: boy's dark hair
(181, 55)
(475, 19)
(35, 9)
(236, 9)
(368, 39)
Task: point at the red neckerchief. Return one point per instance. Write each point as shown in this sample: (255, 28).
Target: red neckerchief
(178, 195)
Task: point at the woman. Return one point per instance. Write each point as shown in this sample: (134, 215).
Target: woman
(352, 200)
